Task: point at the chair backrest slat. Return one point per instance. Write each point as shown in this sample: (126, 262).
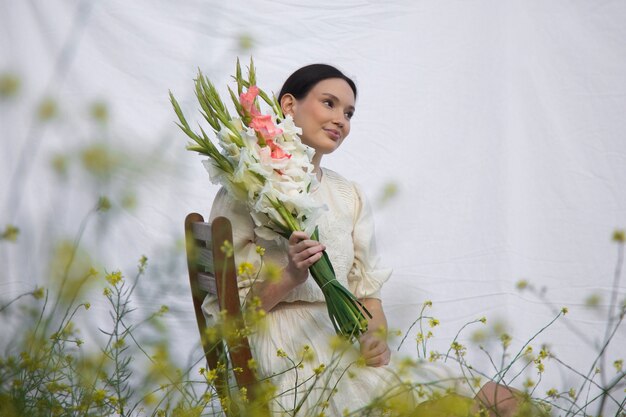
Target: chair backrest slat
(206, 283)
(204, 258)
(202, 231)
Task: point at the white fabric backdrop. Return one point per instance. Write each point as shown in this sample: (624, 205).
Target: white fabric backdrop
(500, 122)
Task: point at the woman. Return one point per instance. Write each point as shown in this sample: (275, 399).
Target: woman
(332, 377)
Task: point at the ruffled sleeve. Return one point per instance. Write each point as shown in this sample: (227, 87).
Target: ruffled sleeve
(366, 276)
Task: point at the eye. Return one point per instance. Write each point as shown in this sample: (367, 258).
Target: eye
(328, 103)
(349, 114)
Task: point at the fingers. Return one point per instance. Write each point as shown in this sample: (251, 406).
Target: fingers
(303, 251)
(296, 237)
(375, 351)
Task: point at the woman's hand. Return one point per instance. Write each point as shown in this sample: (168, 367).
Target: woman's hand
(303, 252)
(374, 348)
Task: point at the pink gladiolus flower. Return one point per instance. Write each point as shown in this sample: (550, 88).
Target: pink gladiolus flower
(265, 126)
(247, 101)
(277, 151)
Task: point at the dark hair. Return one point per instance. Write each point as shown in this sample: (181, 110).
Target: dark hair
(304, 79)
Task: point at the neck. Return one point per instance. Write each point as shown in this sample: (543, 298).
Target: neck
(317, 158)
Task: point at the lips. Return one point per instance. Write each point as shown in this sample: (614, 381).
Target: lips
(334, 134)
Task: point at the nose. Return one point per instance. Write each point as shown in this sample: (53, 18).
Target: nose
(339, 119)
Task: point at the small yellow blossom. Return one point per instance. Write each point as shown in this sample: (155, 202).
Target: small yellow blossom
(572, 393)
(164, 309)
(618, 364)
(307, 354)
(483, 320)
(506, 340)
(428, 303)
(433, 322)
(564, 310)
(10, 233)
(150, 399)
(479, 336)
(114, 278)
(227, 248)
(540, 367)
(104, 204)
(272, 272)
(319, 369)
(593, 300)
(529, 383)
(99, 111)
(552, 392)
(38, 293)
(47, 109)
(107, 292)
(619, 236)
(260, 250)
(458, 348)
(9, 85)
(522, 284)
(245, 268)
(99, 396)
(211, 375)
(143, 262)
(281, 353)
(87, 306)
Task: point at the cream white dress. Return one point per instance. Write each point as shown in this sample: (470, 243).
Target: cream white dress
(347, 231)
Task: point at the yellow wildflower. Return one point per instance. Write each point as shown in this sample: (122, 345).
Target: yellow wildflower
(10, 233)
(245, 268)
(319, 369)
(227, 248)
(506, 340)
(114, 278)
(552, 392)
(38, 293)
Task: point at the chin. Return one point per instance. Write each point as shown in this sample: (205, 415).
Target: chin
(326, 149)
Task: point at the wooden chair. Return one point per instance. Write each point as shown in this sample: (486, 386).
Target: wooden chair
(211, 271)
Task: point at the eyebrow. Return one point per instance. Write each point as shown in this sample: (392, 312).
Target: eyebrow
(334, 97)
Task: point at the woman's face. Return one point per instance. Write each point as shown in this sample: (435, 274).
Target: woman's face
(323, 114)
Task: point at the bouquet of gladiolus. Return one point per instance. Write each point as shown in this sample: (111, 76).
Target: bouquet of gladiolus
(264, 164)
